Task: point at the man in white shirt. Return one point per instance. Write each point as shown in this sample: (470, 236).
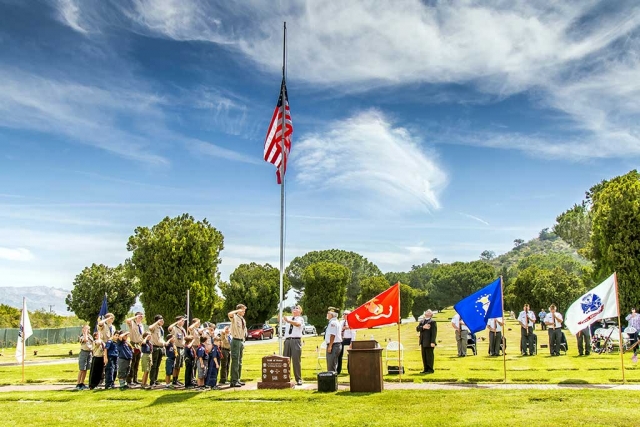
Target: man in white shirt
(293, 341)
(554, 326)
(333, 339)
(348, 335)
(495, 335)
(462, 333)
(527, 318)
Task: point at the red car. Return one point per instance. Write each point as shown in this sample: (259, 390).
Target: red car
(260, 332)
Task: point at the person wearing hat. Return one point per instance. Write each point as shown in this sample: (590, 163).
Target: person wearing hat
(348, 335)
(157, 341)
(293, 341)
(333, 339)
(179, 334)
(238, 333)
(125, 354)
(134, 324)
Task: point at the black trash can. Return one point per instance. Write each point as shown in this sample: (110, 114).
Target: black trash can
(327, 381)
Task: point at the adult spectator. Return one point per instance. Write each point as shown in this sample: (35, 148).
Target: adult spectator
(462, 334)
(348, 335)
(134, 324)
(333, 339)
(428, 329)
(527, 318)
(541, 317)
(633, 321)
(105, 327)
(495, 335)
(584, 341)
(238, 334)
(293, 341)
(157, 341)
(554, 326)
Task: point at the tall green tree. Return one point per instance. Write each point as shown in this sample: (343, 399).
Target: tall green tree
(487, 255)
(90, 286)
(256, 286)
(407, 295)
(9, 316)
(358, 265)
(453, 282)
(615, 238)
(370, 287)
(421, 303)
(175, 255)
(325, 285)
(540, 287)
(574, 225)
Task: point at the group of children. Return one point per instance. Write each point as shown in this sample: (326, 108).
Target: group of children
(109, 354)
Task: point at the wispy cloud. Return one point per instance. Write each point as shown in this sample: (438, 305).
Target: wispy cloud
(474, 218)
(209, 149)
(580, 58)
(16, 254)
(367, 154)
(69, 14)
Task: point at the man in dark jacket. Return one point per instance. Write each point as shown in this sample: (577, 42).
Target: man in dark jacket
(428, 332)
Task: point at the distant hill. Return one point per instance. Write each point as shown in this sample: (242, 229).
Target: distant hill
(38, 297)
(41, 297)
(549, 244)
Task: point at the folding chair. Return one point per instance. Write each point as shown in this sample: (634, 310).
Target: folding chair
(321, 354)
(391, 353)
(471, 343)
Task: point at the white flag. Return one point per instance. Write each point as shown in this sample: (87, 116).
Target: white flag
(25, 330)
(599, 303)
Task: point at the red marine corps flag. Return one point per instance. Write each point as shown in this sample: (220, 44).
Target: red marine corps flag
(383, 309)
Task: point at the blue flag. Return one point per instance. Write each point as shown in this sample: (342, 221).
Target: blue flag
(103, 310)
(479, 307)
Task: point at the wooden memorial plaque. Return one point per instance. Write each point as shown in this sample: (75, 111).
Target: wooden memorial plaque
(276, 371)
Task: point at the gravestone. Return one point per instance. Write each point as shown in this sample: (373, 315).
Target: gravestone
(275, 372)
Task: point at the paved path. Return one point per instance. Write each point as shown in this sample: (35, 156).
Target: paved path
(345, 387)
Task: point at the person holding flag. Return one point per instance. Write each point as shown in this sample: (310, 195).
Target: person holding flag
(527, 319)
(462, 334)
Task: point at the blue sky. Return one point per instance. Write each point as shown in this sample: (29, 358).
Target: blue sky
(422, 129)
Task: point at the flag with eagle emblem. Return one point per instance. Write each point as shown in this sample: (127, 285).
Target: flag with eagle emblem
(479, 307)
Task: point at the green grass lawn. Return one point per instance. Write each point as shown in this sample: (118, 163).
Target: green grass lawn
(307, 408)
(595, 369)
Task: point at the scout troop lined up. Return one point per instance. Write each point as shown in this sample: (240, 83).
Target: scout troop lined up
(110, 353)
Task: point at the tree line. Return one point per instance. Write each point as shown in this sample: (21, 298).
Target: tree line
(180, 254)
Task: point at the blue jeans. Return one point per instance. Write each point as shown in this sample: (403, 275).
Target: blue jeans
(110, 371)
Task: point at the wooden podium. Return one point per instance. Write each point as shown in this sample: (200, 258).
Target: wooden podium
(365, 367)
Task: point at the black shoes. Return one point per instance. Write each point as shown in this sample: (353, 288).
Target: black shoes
(236, 384)
(299, 382)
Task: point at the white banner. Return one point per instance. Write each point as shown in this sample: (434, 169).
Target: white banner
(25, 330)
(599, 303)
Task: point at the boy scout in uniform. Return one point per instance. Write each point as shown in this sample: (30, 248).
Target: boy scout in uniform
(84, 359)
(134, 324)
(179, 334)
(157, 341)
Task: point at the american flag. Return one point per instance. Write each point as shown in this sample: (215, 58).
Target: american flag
(273, 141)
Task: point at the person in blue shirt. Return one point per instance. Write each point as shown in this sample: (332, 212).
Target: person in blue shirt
(189, 362)
(170, 352)
(145, 360)
(125, 355)
(111, 347)
(201, 365)
(214, 364)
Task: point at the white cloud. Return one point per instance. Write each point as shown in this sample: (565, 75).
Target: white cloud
(387, 165)
(17, 254)
(474, 218)
(579, 58)
(69, 14)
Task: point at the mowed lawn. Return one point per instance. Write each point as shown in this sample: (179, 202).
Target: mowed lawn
(308, 408)
(566, 369)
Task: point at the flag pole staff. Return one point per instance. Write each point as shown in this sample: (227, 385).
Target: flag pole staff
(282, 170)
(399, 340)
(22, 323)
(504, 329)
(620, 343)
(188, 304)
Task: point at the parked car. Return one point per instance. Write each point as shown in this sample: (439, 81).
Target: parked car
(220, 327)
(260, 331)
(309, 330)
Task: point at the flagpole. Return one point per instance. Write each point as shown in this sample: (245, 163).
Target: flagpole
(504, 329)
(282, 171)
(620, 343)
(399, 340)
(22, 323)
(188, 318)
